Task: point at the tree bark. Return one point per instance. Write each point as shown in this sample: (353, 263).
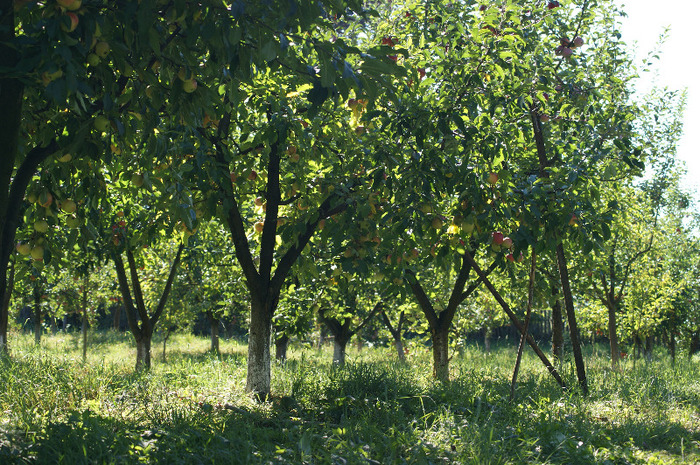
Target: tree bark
(506, 308)
(396, 334)
(117, 317)
(259, 363)
(571, 316)
(84, 325)
(672, 346)
(557, 331)
(339, 347)
(694, 344)
(5, 310)
(214, 333)
(143, 352)
(487, 340)
(612, 334)
(281, 345)
(441, 358)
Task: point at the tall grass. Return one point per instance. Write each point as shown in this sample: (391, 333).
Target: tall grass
(192, 408)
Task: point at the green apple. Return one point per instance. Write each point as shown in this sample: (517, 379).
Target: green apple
(93, 59)
(41, 226)
(102, 49)
(73, 222)
(137, 180)
(189, 86)
(69, 206)
(37, 253)
(102, 124)
(24, 248)
(65, 158)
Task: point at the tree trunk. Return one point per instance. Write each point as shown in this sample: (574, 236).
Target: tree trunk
(441, 359)
(487, 340)
(557, 331)
(694, 344)
(612, 335)
(281, 345)
(258, 377)
(672, 346)
(83, 330)
(117, 317)
(648, 348)
(398, 344)
(166, 335)
(85, 315)
(143, 352)
(37, 323)
(214, 333)
(5, 309)
(339, 346)
(571, 316)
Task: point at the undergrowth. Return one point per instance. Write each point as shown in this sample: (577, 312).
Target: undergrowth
(192, 408)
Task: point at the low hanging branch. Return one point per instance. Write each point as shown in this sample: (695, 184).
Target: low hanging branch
(553, 371)
(530, 298)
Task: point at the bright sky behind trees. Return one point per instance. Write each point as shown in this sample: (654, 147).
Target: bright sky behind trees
(678, 68)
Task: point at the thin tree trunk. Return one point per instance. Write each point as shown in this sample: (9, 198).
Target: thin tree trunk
(281, 345)
(612, 335)
(5, 309)
(672, 346)
(37, 318)
(396, 334)
(85, 317)
(557, 331)
(514, 319)
(117, 316)
(523, 337)
(487, 340)
(648, 348)
(214, 333)
(571, 316)
(259, 363)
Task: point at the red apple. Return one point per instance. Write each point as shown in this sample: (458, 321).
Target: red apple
(497, 237)
(577, 42)
(507, 242)
(71, 24)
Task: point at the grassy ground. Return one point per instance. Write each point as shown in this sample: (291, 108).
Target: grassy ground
(192, 408)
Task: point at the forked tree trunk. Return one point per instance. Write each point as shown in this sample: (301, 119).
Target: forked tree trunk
(396, 334)
(143, 352)
(259, 362)
(281, 345)
(557, 332)
(441, 360)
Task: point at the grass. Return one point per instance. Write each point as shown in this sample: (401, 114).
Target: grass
(192, 408)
